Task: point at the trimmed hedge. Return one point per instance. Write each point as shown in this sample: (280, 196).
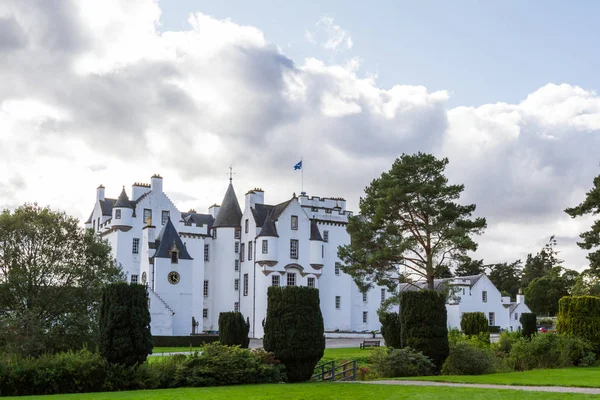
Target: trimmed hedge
(474, 323)
(528, 324)
(125, 336)
(424, 324)
(391, 329)
(294, 330)
(184, 341)
(233, 330)
(580, 316)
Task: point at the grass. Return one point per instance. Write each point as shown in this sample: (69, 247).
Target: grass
(581, 377)
(322, 391)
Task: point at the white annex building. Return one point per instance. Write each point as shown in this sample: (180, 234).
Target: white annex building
(199, 265)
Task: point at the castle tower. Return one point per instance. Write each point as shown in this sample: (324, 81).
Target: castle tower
(122, 213)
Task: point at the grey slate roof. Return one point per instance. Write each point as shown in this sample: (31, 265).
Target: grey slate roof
(123, 200)
(165, 240)
(198, 219)
(268, 227)
(437, 283)
(230, 214)
(260, 212)
(314, 231)
(107, 205)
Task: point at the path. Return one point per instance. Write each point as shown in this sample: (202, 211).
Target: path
(555, 389)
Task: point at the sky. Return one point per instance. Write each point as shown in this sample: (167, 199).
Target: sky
(111, 92)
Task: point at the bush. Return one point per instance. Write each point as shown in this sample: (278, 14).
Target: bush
(528, 324)
(580, 316)
(184, 341)
(125, 336)
(549, 351)
(390, 329)
(474, 323)
(294, 330)
(233, 330)
(494, 329)
(423, 319)
(469, 357)
(394, 363)
(504, 345)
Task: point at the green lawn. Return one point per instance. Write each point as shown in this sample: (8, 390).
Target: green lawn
(322, 391)
(583, 377)
(158, 350)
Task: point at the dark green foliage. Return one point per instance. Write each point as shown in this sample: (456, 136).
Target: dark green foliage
(184, 341)
(51, 278)
(474, 323)
(469, 357)
(542, 294)
(541, 264)
(507, 277)
(423, 318)
(468, 267)
(549, 351)
(401, 208)
(125, 336)
(390, 329)
(580, 316)
(233, 329)
(545, 322)
(528, 324)
(395, 363)
(494, 329)
(294, 330)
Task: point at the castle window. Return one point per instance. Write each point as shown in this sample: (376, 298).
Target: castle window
(117, 214)
(516, 316)
(246, 224)
(237, 247)
(338, 302)
(382, 295)
(484, 296)
(206, 288)
(337, 268)
(135, 248)
(326, 236)
(242, 251)
(322, 251)
(365, 317)
(236, 307)
(364, 296)
(249, 251)
(94, 225)
(291, 279)
(237, 265)
(328, 211)
(98, 223)
(310, 282)
(205, 313)
(134, 279)
(164, 217)
(294, 222)
(237, 234)
(245, 284)
(206, 251)
(214, 233)
(314, 209)
(147, 216)
(236, 284)
(265, 246)
(174, 257)
(275, 280)
(294, 248)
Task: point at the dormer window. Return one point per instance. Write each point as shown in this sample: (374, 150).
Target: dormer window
(294, 222)
(117, 214)
(174, 257)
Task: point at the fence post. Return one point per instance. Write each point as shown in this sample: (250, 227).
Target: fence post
(354, 368)
(332, 377)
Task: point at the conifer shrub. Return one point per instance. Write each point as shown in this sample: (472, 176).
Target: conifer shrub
(125, 336)
(294, 330)
(395, 363)
(390, 329)
(423, 321)
(580, 316)
(474, 323)
(469, 357)
(233, 330)
(528, 324)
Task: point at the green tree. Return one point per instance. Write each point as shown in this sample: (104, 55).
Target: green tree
(590, 238)
(390, 328)
(409, 218)
(125, 336)
(474, 323)
(233, 329)
(529, 323)
(586, 284)
(51, 278)
(466, 266)
(443, 272)
(507, 277)
(541, 264)
(542, 294)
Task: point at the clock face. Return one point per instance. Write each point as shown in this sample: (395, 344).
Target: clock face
(173, 277)
(144, 278)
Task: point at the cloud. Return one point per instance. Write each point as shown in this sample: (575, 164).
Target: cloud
(110, 99)
(329, 35)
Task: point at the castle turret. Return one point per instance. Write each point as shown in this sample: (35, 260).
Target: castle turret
(122, 211)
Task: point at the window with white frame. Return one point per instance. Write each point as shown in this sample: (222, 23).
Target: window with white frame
(245, 284)
(236, 307)
(382, 295)
(242, 251)
(206, 288)
(310, 282)
(364, 296)
(246, 225)
(365, 317)
(492, 319)
(147, 216)
(206, 251)
(135, 248)
(291, 279)
(516, 316)
(275, 280)
(174, 257)
(214, 233)
(117, 214)
(237, 265)
(205, 313)
(236, 284)
(164, 217)
(294, 223)
(484, 296)
(249, 251)
(237, 247)
(294, 249)
(134, 279)
(265, 246)
(338, 302)
(326, 236)
(337, 268)
(237, 234)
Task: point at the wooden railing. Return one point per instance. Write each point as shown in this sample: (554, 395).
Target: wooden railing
(330, 372)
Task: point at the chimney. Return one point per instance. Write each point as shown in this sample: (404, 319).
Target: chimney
(156, 183)
(100, 193)
(520, 297)
(214, 210)
(254, 196)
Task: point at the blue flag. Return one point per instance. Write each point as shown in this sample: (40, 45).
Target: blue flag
(298, 166)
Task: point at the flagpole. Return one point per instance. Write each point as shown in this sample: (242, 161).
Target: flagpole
(302, 171)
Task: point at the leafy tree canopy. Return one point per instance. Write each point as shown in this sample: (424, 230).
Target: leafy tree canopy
(51, 278)
(541, 264)
(542, 294)
(507, 277)
(466, 266)
(409, 219)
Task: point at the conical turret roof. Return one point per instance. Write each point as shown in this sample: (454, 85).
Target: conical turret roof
(167, 239)
(230, 213)
(123, 200)
(268, 228)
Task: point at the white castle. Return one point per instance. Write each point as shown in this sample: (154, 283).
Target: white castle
(199, 265)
